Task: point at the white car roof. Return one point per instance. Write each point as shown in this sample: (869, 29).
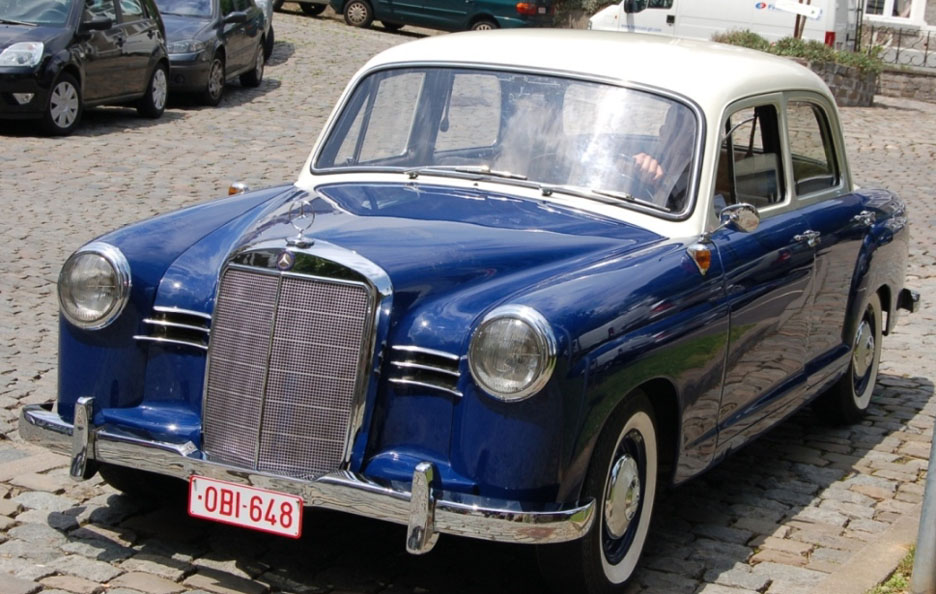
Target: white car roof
(712, 74)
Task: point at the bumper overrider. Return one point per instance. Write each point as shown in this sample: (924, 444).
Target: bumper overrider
(420, 508)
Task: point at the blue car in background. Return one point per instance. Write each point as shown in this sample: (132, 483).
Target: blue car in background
(510, 295)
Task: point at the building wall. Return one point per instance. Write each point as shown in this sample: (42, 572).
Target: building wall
(931, 12)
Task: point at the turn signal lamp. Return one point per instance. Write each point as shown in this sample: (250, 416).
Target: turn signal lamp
(526, 8)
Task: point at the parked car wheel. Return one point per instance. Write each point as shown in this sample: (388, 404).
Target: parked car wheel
(153, 103)
(622, 479)
(358, 13)
(214, 90)
(268, 44)
(312, 9)
(144, 485)
(63, 111)
(848, 400)
(484, 25)
(391, 26)
(278, 4)
(254, 77)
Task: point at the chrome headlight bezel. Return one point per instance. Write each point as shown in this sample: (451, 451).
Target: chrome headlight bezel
(543, 337)
(120, 269)
(30, 52)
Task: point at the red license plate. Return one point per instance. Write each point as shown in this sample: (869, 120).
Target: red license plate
(250, 507)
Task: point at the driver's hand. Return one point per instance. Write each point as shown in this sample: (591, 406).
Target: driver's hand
(648, 168)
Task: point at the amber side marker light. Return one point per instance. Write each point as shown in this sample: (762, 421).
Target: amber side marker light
(237, 188)
(701, 255)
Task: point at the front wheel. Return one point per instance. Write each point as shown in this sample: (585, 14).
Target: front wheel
(358, 13)
(268, 42)
(214, 88)
(312, 9)
(153, 103)
(63, 111)
(254, 77)
(848, 400)
(622, 479)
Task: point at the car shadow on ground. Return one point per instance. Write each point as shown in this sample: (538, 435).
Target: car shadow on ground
(235, 94)
(282, 52)
(95, 121)
(701, 529)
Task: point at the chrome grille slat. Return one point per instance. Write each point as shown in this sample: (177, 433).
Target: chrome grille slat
(283, 369)
(176, 327)
(414, 367)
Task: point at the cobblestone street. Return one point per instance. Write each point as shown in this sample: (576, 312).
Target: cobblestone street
(780, 516)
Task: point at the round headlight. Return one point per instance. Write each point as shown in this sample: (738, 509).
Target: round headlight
(512, 352)
(94, 286)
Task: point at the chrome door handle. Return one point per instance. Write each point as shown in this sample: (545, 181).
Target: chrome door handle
(865, 218)
(810, 237)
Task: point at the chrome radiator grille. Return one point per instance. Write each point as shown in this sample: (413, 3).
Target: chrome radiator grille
(284, 364)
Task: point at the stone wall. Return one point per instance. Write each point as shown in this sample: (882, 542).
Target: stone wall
(911, 84)
(849, 86)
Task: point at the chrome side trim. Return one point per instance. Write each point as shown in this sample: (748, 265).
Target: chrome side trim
(143, 337)
(412, 382)
(411, 365)
(435, 353)
(486, 519)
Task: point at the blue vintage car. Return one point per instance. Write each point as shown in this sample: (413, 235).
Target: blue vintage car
(509, 294)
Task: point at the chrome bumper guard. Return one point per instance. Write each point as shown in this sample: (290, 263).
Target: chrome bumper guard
(420, 509)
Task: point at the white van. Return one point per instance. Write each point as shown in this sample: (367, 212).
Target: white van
(829, 21)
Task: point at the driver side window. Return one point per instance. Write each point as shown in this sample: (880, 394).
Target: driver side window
(750, 162)
(100, 8)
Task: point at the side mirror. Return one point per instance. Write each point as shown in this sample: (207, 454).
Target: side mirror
(742, 217)
(631, 6)
(96, 23)
(235, 17)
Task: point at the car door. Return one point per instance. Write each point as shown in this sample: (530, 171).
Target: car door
(141, 40)
(101, 53)
(768, 276)
(839, 218)
(234, 34)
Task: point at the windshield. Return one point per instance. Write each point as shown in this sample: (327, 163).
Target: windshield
(621, 144)
(35, 12)
(197, 8)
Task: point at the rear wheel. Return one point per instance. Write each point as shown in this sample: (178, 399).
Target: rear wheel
(153, 103)
(622, 479)
(312, 9)
(484, 25)
(254, 77)
(358, 13)
(63, 111)
(848, 400)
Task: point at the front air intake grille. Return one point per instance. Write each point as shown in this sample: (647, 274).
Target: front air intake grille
(174, 326)
(283, 371)
(415, 368)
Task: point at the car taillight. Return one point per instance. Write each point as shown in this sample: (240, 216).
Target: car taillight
(830, 38)
(526, 8)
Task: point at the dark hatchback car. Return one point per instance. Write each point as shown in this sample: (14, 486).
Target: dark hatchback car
(59, 56)
(448, 15)
(211, 42)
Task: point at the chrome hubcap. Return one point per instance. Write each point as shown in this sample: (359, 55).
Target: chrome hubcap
(160, 88)
(63, 105)
(863, 355)
(357, 13)
(484, 27)
(623, 498)
(216, 79)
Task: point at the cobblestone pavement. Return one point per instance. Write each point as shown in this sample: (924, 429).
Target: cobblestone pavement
(776, 517)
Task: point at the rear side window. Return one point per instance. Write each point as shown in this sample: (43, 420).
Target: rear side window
(750, 163)
(811, 148)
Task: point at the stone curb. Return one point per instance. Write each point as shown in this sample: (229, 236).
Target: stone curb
(875, 562)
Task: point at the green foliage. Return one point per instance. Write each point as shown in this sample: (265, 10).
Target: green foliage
(899, 581)
(866, 61)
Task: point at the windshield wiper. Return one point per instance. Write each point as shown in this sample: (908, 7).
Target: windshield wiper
(15, 22)
(470, 169)
(604, 196)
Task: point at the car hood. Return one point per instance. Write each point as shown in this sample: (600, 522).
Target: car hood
(449, 253)
(181, 28)
(10, 34)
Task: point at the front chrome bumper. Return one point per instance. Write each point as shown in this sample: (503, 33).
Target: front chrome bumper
(425, 514)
